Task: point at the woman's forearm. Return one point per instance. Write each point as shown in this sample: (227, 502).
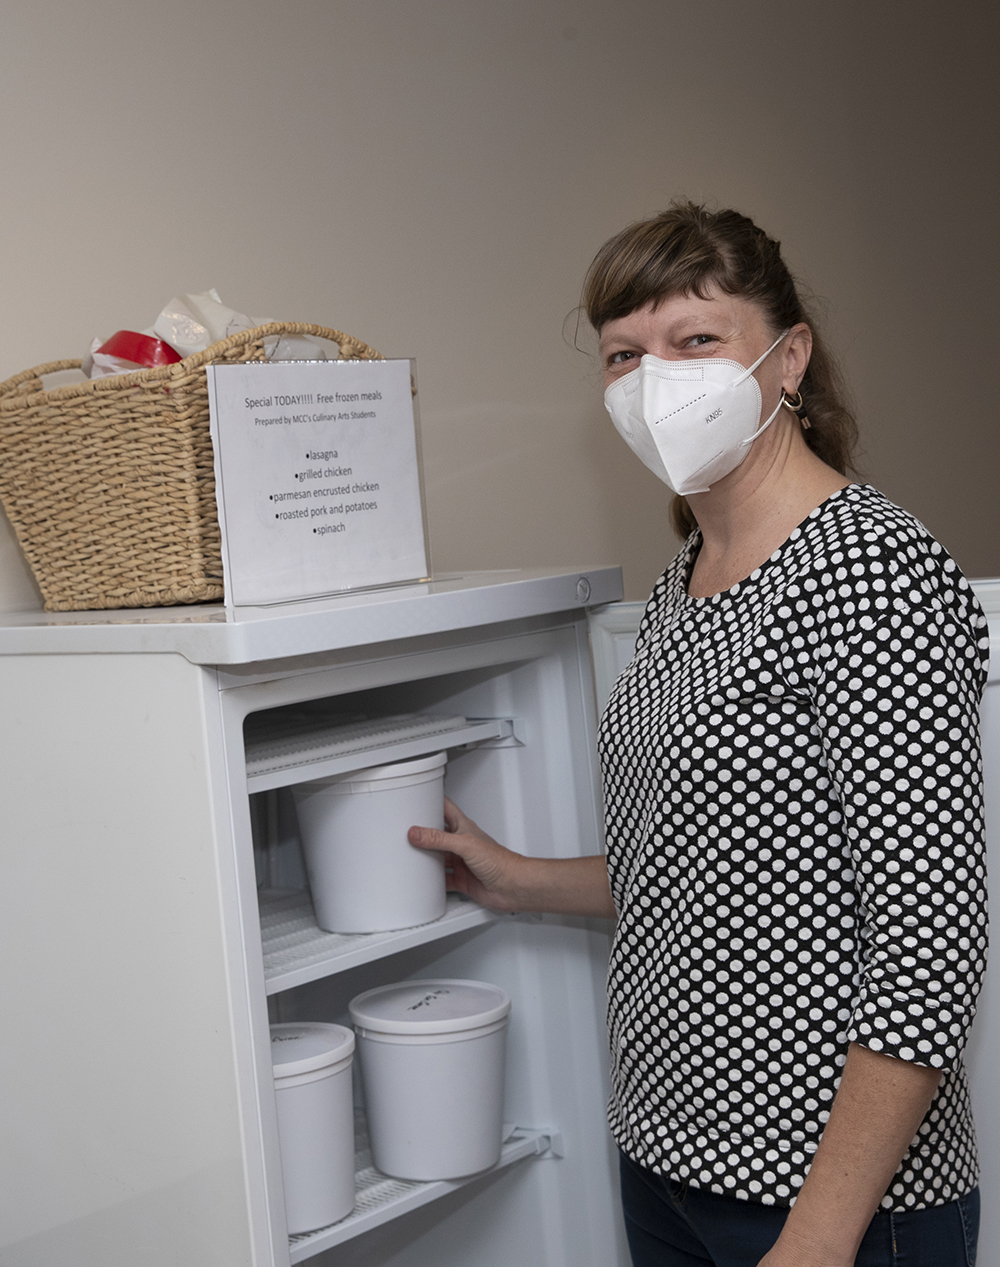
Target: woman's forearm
(875, 1115)
(563, 886)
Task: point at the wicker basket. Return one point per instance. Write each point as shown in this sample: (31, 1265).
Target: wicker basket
(110, 484)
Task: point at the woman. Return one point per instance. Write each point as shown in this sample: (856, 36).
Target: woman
(793, 799)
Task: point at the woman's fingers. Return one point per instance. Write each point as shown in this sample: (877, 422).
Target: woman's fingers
(452, 815)
(477, 852)
(479, 867)
(430, 838)
(458, 877)
(461, 835)
(456, 821)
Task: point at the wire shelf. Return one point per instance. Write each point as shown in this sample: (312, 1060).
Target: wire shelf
(297, 950)
(296, 746)
(380, 1198)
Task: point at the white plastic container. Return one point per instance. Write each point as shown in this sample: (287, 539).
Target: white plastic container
(312, 1089)
(364, 874)
(432, 1061)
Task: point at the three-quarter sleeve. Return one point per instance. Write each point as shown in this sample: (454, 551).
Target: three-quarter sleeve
(898, 687)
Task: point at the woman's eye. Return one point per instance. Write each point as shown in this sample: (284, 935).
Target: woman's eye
(699, 340)
(621, 358)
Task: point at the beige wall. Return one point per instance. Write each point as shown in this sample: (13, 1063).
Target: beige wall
(435, 175)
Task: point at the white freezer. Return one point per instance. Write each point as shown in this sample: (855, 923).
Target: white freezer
(142, 963)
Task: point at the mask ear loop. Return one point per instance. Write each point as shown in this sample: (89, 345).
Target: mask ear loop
(761, 430)
(760, 360)
(746, 374)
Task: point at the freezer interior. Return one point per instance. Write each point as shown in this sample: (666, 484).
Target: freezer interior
(533, 790)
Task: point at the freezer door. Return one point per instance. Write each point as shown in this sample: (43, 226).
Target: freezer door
(613, 628)
(982, 1056)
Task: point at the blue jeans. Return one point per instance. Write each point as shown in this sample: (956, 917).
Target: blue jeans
(672, 1225)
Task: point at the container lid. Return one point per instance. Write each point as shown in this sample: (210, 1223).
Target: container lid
(429, 1007)
(395, 771)
(140, 349)
(304, 1046)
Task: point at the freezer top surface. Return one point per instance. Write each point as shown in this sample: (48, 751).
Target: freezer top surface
(213, 634)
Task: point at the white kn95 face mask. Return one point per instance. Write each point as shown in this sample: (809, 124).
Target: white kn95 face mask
(691, 422)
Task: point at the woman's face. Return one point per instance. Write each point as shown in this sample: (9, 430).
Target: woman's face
(685, 327)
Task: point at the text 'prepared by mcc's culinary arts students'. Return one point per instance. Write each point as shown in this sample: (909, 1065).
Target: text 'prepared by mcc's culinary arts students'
(317, 478)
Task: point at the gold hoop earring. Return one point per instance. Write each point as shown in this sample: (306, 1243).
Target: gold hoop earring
(794, 405)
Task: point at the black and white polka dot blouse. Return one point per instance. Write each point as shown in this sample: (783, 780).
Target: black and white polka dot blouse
(795, 844)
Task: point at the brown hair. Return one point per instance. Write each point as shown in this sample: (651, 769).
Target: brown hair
(684, 251)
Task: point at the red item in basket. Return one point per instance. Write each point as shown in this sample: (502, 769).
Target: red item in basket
(140, 349)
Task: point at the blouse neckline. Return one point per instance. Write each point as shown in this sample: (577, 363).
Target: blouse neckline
(691, 547)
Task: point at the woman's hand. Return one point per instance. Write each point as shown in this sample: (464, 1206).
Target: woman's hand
(502, 880)
(786, 1253)
(475, 864)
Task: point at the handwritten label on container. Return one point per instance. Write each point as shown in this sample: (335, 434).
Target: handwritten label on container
(317, 478)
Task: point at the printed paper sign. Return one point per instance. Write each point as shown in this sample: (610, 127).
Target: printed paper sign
(317, 478)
